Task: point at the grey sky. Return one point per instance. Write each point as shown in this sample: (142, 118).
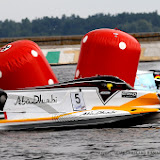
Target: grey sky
(20, 9)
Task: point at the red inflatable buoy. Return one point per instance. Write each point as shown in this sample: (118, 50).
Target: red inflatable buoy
(108, 52)
(22, 64)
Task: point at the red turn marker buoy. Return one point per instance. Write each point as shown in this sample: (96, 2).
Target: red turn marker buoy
(108, 52)
(22, 64)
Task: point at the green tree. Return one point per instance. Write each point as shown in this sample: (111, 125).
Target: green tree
(75, 25)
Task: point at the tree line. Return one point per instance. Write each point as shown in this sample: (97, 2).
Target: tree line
(75, 25)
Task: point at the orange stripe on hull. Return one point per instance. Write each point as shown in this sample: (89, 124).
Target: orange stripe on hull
(26, 120)
(133, 106)
(35, 119)
(148, 99)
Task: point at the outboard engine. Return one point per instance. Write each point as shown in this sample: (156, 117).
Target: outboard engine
(3, 98)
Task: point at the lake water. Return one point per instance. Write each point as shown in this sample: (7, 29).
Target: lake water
(82, 144)
(67, 72)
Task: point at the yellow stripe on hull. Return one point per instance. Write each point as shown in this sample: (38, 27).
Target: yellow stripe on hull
(26, 120)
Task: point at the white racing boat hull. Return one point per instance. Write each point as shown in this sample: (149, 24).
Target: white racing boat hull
(73, 104)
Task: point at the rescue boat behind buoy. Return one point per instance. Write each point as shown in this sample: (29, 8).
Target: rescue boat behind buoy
(22, 64)
(108, 52)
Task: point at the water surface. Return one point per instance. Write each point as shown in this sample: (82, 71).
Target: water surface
(82, 144)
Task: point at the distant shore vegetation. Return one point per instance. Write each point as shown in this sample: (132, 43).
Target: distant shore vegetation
(75, 25)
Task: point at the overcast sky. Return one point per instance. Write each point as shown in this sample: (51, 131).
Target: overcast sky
(19, 9)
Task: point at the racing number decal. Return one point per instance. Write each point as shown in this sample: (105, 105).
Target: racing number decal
(77, 101)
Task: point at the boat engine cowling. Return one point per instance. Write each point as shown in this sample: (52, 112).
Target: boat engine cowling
(108, 52)
(3, 98)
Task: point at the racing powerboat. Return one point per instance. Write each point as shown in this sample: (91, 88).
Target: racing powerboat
(101, 93)
(85, 102)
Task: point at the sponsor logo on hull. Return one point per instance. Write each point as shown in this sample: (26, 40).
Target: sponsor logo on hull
(129, 94)
(22, 100)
